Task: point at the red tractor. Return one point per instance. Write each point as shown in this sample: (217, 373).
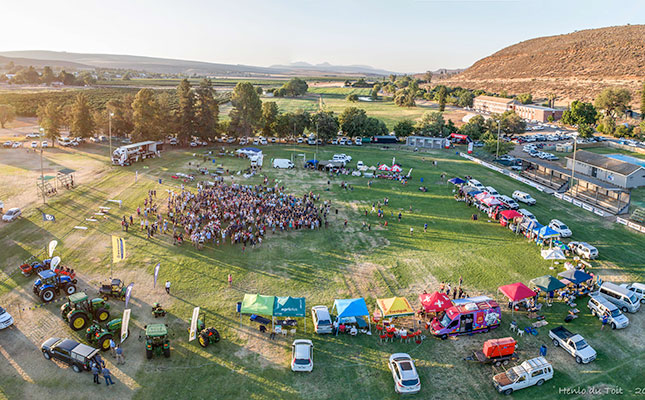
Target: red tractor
(35, 267)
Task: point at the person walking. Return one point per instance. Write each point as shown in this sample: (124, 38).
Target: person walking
(425, 227)
(230, 280)
(411, 231)
(112, 348)
(95, 372)
(120, 359)
(108, 378)
(605, 319)
(441, 287)
(168, 287)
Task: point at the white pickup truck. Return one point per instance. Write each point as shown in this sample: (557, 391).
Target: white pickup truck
(531, 372)
(575, 345)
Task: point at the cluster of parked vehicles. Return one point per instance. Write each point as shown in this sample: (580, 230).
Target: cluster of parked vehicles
(533, 151)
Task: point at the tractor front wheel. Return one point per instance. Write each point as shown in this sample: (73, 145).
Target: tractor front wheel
(148, 354)
(47, 295)
(102, 314)
(104, 342)
(78, 321)
(203, 340)
(166, 353)
(70, 289)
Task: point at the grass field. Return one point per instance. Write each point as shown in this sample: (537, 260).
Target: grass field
(336, 262)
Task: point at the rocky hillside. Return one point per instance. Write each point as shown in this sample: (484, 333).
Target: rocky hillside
(575, 65)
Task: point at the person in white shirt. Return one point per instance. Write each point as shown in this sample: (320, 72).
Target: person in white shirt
(168, 287)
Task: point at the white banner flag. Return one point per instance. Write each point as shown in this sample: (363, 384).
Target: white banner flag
(193, 325)
(52, 246)
(54, 263)
(125, 321)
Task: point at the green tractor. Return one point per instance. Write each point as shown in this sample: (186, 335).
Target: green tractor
(100, 337)
(79, 310)
(206, 336)
(114, 289)
(157, 340)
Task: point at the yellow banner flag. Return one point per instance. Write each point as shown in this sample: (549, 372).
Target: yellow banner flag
(118, 249)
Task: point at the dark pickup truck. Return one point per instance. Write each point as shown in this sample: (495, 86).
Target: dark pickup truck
(76, 355)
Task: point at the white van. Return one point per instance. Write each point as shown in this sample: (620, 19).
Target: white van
(282, 163)
(524, 197)
(624, 299)
(560, 227)
(600, 306)
(64, 141)
(492, 191)
(637, 288)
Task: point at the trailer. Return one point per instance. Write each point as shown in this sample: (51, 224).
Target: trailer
(496, 351)
(135, 152)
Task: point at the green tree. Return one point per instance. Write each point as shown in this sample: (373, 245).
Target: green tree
(28, 75)
(145, 116)
(82, 123)
(427, 76)
(511, 123)
(282, 128)
(7, 114)
(353, 122)
(441, 98)
(186, 112)
(246, 114)
(474, 128)
(622, 130)
(404, 128)
(48, 76)
(404, 98)
(465, 99)
(326, 124)
(270, 113)
(613, 101)
(295, 87)
(374, 127)
(430, 124)
(121, 109)
(206, 110)
(299, 121)
(50, 119)
(580, 113)
(66, 78)
(374, 92)
(352, 97)
(491, 144)
(525, 98)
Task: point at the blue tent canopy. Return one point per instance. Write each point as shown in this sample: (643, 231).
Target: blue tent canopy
(312, 162)
(473, 193)
(456, 181)
(350, 307)
(253, 149)
(289, 307)
(575, 276)
(547, 233)
(536, 227)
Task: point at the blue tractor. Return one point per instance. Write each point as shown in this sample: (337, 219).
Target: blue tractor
(49, 284)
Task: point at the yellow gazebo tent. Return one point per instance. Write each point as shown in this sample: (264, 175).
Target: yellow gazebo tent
(394, 307)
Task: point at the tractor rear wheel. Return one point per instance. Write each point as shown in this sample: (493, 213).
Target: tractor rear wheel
(102, 314)
(214, 335)
(203, 340)
(148, 354)
(78, 321)
(104, 342)
(166, 353)
(47, 295)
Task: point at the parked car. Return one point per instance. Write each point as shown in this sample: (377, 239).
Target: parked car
(523, 197)
(7, 144)
(637, 288)
(263, 141)
(12, 214)
(491, 190)
(334, 141)
(16, 145)
(173, 142)
(624, 299)
(300, 140)
(358, 142)
(475, 183)
(6, 320)
(34, 145)
(44, 144)
(560, 227)
(508, 202)
(360, 164)
(322, 319)
(302, 355)
(70, 352)
(404, 373)
(531, 372)
(575, 345)
(600, 306)
(584, 250)
(527, 214)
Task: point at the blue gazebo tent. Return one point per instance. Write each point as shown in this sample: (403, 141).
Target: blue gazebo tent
(575, 276)
(351, 308)
(456, 181)
(546, 233)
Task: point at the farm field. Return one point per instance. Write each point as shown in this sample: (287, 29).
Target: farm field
(321, 265)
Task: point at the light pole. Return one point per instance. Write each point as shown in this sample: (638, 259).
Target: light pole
(42, 176)
(498, 132)
(110, 115)
(573, 164)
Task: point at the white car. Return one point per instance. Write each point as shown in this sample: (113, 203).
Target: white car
(193, 144)
(637, 288)
(527, 214)
(33, 135)
(358, 142)
(584, 250)
(491, 190)
(360, 164)
(300, 141)
(34, 145)
(7, 144)
(404, 373)
(335, 141)
(173, 142)
(6, 320)
(16, 145)
(560, 227)
(508, 202)
(45, 144)
(302, 355)
(274, 140)
(12, 214)
(322, 319)
(523, 197)
(263, 141)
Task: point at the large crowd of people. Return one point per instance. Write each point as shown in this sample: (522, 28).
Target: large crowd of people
(235, 214)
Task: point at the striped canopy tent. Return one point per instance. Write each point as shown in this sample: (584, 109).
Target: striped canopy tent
(482, 196)
(396, 168)
(394, 307)
(384, 167)
(491, 201)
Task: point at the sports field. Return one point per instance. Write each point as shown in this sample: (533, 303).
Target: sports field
(321, 265)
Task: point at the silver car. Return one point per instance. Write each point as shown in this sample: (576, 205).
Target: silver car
(322, 319)
(406, 378)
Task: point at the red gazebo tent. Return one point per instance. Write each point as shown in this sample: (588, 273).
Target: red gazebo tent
(435, 302)
(384, 167)
(510, 214)
(516, 292)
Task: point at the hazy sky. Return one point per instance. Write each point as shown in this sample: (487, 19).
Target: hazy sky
(403, 35)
